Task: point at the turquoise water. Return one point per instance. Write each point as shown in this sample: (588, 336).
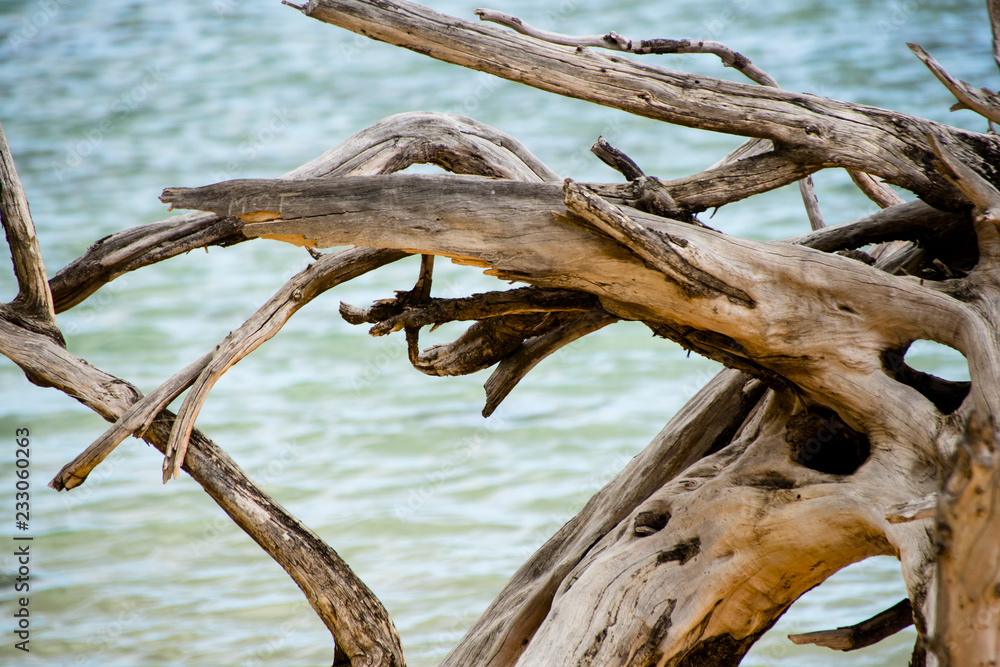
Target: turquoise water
(106, 103)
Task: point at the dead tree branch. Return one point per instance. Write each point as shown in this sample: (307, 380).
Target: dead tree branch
(615, 42)
(865, 633)
(32, 307)
(984, 102)
(359, 623)
(455, 143)
(831, 133)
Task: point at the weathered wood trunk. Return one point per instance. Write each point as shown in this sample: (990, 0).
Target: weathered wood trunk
(818, 446)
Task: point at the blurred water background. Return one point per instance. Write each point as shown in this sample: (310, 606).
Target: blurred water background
(106, 103)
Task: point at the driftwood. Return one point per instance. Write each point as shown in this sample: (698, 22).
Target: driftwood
(817, 447)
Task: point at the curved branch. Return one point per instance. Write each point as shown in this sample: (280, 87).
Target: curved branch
(911, 221)
(360, 625)
(516, 365)
(879, 193)
(455, 143)
(486, 343)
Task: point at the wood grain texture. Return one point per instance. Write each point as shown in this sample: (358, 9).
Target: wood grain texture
(886, 144)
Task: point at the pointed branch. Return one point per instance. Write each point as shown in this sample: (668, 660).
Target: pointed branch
(984, 102)
(616, 159)
(865, 633)
(134, 421)
(360, 625)
(879, 193)
(33, 304)
(515, 366)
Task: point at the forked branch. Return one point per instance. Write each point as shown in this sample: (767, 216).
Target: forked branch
(984, 102)
(830, 133)
(32, 306)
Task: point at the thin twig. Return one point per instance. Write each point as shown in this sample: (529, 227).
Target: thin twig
(982, 100)
(865, 633)
(878, 192)
(514, 367)
(615, 42)
(811, 202)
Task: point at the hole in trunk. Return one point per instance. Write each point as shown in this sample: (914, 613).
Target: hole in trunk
(940, 373)
(649, 523)
(820, 440)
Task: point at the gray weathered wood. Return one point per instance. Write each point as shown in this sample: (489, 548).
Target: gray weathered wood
(760, 488)
(33, 304)
(886, 144)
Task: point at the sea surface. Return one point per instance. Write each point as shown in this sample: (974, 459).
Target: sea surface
(106, 103)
